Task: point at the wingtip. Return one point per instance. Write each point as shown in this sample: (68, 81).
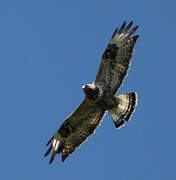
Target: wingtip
(49, 141)
(128, 26)
(57, 148)
(131, 22)
(133, 30)
(125, 29)
(124, 24)
(52, 157)
(48, 151)
(136, 37)
(122, 27)
(137, 26)
(115, 32)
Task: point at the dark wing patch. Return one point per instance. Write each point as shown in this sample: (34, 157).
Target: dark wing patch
(82, 133)
(116, 58)
(76, 129)
(110, 52)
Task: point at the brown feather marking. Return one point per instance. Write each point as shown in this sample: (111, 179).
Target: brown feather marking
(110, 52)
(128, 26)
(133, 30)
(52, 157)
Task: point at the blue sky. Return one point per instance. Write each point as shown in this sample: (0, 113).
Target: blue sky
(49, 49)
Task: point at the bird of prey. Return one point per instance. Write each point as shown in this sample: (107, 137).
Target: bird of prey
(100, 96)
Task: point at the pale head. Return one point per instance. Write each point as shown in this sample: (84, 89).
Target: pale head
(91, 91)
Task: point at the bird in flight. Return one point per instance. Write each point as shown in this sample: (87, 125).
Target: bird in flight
(100, 96)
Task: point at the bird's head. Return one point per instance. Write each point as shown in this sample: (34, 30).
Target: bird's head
(91, 91)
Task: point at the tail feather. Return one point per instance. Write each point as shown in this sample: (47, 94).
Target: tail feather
(126, 104)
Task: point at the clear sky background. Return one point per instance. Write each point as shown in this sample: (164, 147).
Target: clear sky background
(48, 50)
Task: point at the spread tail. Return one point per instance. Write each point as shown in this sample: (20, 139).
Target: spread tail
(126, 104)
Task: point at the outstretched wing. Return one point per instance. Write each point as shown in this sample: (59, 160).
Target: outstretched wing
(116, 58)
(75, 129)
